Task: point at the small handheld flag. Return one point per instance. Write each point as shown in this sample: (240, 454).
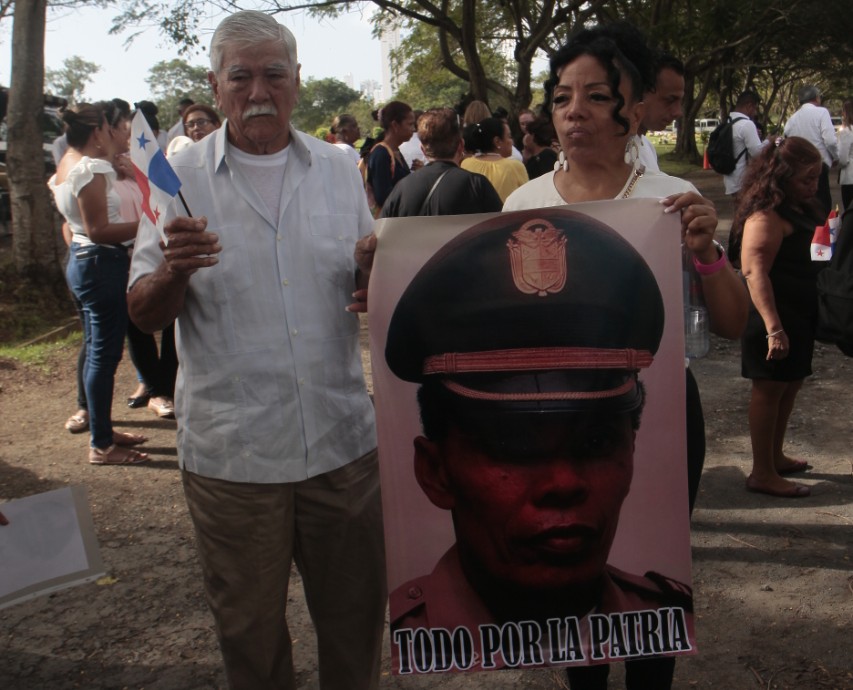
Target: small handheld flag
(154, 175)
(824, 238)
(834, 223)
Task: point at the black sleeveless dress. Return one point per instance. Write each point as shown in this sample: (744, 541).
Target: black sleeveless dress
(793, 277)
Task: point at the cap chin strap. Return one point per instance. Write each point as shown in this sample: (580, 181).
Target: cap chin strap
(537, 358)
(466, 392)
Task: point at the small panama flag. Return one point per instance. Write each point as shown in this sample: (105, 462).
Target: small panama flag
(824, 237)
(834, 224)
(154, 175)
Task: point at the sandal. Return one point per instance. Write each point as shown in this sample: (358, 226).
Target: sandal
(121, 438)
(77, 423)
(162, 407)
(114, 455)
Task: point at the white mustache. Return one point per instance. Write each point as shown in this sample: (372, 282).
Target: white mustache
(256, 110)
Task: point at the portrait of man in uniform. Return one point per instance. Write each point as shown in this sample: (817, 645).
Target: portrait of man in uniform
(526, 335)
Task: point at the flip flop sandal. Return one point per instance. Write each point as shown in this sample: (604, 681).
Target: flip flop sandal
(77, 424)
(113, 455)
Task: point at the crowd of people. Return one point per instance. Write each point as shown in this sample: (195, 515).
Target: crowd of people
(95, 189)
(276, 433)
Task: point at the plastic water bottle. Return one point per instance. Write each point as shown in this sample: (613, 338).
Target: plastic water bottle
(697, 331)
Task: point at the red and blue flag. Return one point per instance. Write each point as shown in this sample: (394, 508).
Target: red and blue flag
(154, 175)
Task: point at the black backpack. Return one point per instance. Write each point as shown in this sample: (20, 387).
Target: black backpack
(721, 147)
(835, 292)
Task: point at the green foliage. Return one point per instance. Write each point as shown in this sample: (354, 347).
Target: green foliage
(362, 110)
(172, 80)
(427, 83)
(320, 100)
(70, 80)
(41, 355)
(488, 48)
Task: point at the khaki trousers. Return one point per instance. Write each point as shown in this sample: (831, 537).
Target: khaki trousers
(248, 535)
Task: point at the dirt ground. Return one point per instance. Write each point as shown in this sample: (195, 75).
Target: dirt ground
(772, 577)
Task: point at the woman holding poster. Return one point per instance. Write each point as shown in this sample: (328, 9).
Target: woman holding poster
(595, 97)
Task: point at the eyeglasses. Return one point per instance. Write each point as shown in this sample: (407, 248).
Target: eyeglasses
(200, 122)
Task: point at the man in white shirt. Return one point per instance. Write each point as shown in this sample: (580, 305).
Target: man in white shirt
(813, 123)
(411, 149)
(276, 436)
(747, 144)
(663, 105)
(346, 132)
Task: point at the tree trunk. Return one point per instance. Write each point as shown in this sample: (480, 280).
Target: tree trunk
(35, 244)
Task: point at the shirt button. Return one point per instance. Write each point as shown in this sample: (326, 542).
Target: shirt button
(294, 332)
(284, 282)
(301, 382)
(278, 238)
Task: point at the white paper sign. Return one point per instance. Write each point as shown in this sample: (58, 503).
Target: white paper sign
(48, 545)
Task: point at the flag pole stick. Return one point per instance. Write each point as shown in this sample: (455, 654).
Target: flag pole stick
(184, 202)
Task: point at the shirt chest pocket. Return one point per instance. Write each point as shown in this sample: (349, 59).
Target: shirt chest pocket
(234, 274)
(333, 237)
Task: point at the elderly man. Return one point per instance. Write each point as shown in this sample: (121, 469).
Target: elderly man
(276, 433)
(528, 355)
(441, 188)
(813, 123)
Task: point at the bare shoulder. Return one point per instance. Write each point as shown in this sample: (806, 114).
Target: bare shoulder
(767, 223)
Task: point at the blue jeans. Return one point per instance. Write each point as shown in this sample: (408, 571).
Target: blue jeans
(97, 276)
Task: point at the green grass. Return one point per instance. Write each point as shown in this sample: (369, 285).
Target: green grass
(40, 355)
(669, 163)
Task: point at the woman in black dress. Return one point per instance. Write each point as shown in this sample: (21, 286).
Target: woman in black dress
(779, 212)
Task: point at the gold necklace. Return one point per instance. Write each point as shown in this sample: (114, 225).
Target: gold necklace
(636, 175)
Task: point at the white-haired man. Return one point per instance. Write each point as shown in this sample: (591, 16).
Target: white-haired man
(276, 432)
(813, 123)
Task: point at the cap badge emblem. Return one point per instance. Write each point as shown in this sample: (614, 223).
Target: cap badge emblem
(537, 252)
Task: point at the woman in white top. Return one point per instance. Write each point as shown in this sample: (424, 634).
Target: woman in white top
(98, 263)
(845, 153)
(594, 94)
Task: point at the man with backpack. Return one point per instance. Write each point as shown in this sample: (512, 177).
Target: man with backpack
(745, 142)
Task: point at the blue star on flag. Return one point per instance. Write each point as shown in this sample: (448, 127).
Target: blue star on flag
(143, 141)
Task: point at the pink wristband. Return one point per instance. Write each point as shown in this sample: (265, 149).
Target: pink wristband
(710, 269)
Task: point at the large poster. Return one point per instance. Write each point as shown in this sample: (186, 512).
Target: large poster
(529, 384)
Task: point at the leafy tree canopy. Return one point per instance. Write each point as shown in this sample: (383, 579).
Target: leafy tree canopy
(489, 47)
(172, 80)
(70, 80)
(320, 100)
